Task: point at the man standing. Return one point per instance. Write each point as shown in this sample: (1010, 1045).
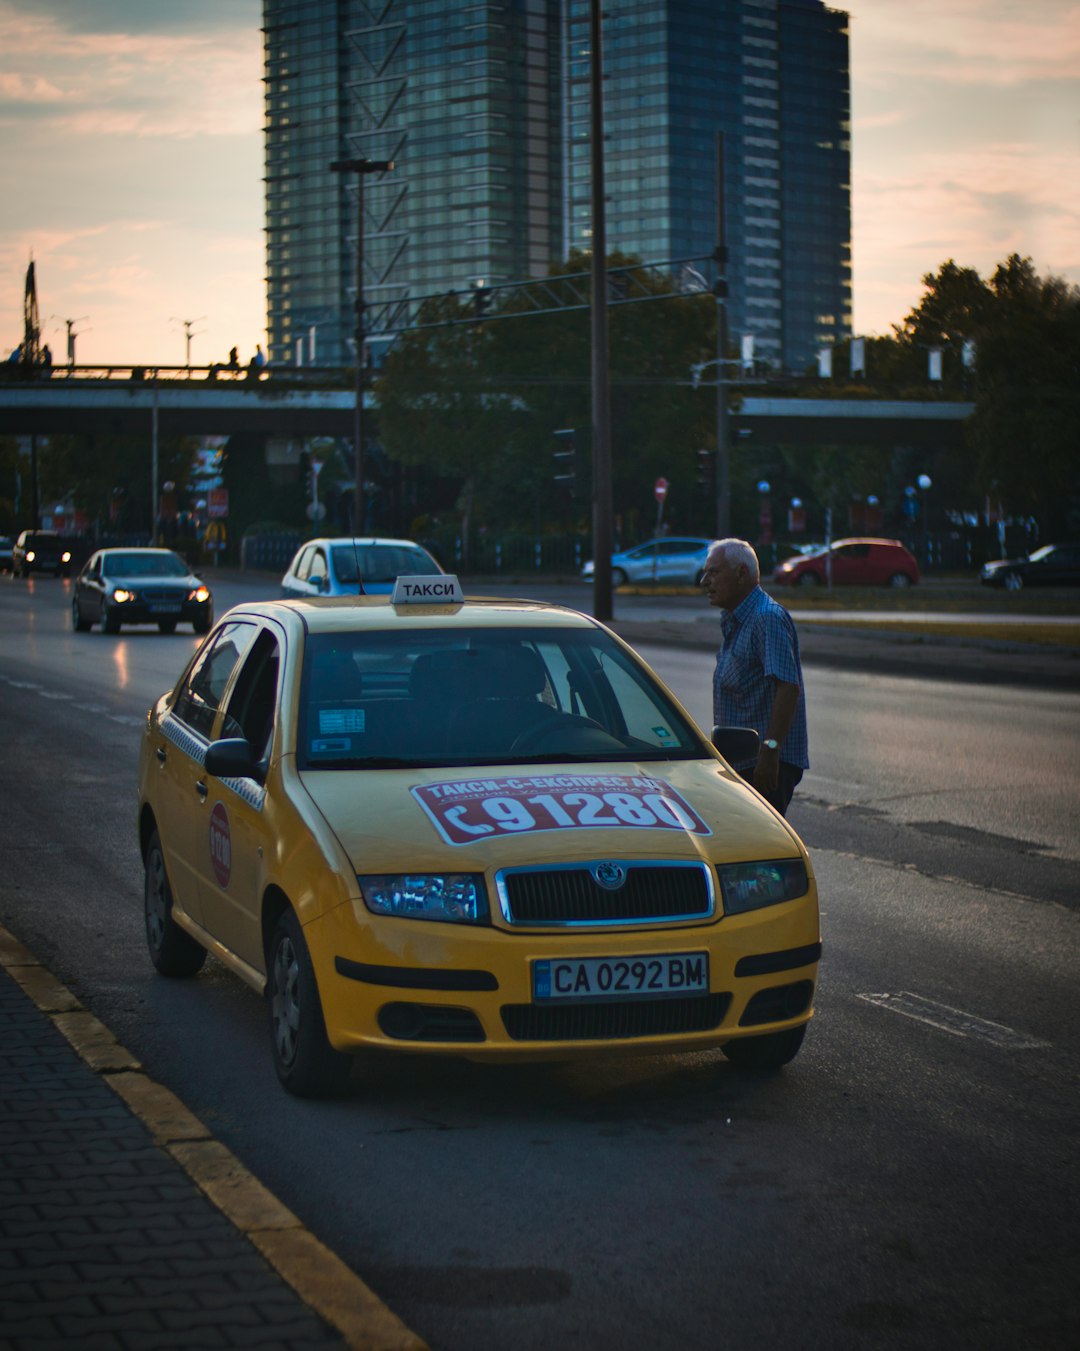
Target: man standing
(758, 679)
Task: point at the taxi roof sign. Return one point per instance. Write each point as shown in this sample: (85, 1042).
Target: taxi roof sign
(438, 590)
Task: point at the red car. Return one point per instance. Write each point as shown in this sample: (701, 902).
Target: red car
(851, 562)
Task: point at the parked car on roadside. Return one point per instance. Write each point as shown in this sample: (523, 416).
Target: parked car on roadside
(1052, 565)
(6, 556)
(677, 560)
(139, 586)
(350, 567)
(41, 551)
(851, 562)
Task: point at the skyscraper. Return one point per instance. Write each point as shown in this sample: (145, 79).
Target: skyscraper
(484, 109)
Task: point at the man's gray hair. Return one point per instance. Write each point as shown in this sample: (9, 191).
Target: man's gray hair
(738, 552)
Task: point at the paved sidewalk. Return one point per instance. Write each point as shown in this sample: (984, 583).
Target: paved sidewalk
(106, 1238)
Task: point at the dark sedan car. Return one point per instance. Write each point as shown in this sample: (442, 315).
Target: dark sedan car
(140, 586)
(1052, 565)
(41, 551)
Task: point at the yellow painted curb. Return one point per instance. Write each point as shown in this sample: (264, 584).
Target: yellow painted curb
(334, 1291)
(318, 1276)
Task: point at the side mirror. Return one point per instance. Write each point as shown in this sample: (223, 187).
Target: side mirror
(736, 744)
(324, 585)
(231, 758)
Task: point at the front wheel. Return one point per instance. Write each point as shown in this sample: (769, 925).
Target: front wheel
(899, 580)
(766, 1053)
(173, 952)
(166, 625)
(809, 579)
(78, 623)
(110, 621)
(618, 577)
(307, 1065)
(1013, 581)
(203, 622)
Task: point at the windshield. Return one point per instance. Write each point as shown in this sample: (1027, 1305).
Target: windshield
(478, 696)
(1040, 554)
(145, 565)
(381, 562)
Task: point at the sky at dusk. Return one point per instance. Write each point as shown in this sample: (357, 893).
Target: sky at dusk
(132, 160)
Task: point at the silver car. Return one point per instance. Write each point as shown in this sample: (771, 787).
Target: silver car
(679, 560)
(350, 567)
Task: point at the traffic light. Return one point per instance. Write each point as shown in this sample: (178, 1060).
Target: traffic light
(565, 456)
(481, 298)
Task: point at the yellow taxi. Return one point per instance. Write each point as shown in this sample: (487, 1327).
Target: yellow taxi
(478, 827)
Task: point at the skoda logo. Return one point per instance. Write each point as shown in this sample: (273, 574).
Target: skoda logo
(610, 876)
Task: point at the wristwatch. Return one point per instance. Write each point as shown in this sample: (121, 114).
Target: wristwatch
(770, 745)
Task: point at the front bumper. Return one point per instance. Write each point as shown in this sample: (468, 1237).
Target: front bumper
(405, 984)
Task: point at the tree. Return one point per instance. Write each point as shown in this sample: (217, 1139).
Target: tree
(479, 402)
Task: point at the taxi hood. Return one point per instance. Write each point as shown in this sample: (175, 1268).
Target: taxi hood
(471, 819)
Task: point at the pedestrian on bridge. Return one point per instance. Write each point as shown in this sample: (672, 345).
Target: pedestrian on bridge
(758, 680)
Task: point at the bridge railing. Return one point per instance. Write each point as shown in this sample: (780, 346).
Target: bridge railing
(138, 372)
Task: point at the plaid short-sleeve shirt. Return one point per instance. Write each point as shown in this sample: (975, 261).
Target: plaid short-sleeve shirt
(760, 648)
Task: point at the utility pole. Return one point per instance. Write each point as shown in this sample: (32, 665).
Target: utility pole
(359, 167)
(720, 289)
(601, 411)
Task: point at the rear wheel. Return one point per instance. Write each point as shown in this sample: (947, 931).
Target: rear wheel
(809, 579)
(763, 1054)
(307, 1065)
(899, 580)
(1014, 581)
(173, 952)
(78, 623)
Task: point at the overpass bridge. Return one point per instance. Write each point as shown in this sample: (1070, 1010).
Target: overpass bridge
(300, 404)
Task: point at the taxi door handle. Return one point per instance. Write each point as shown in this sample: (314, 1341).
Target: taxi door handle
(161, 755)
(201, 788)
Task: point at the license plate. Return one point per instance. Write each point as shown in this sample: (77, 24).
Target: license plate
(164, 607)
(666, 976)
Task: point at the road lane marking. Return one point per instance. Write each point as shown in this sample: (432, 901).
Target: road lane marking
(954, 1021)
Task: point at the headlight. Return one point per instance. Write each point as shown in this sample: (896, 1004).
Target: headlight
(65, 557)
(458, 898)
(201, 594)
(749, 886)
(30, 555)
(121, 596)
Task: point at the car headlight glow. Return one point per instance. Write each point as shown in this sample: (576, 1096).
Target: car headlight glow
(30, 555)
(750, 886)
(201, 594)
(456, 898)
(121, 596)
(65, 557)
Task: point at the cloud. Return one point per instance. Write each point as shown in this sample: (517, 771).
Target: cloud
(110, 82)
(993, 42)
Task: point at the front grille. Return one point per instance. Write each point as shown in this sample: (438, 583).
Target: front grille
(616, 1021)
(653, 892)
(159, 593)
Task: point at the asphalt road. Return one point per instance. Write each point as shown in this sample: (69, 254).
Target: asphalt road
(909, 1182)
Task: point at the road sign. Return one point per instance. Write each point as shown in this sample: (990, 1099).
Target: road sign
(660, 488)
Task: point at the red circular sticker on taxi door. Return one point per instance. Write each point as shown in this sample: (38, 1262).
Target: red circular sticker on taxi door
(220, 844)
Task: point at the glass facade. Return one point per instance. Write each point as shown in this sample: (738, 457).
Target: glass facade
(485, 110)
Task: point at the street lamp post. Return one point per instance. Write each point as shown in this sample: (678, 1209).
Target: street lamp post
(359, 167)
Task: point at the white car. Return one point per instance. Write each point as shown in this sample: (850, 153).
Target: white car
(350, 567)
